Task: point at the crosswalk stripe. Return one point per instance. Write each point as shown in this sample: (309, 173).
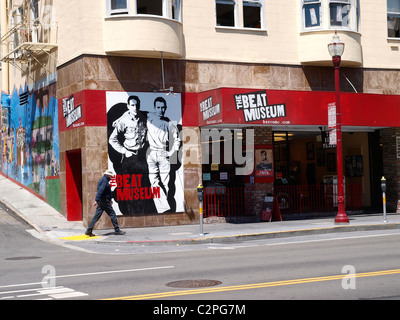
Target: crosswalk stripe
(51, 293)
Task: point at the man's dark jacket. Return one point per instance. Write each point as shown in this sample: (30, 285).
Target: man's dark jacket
(103, 190)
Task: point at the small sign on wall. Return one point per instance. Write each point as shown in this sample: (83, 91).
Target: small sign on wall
(398, 147)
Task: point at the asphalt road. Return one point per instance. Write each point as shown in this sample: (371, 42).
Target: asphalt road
(317, 267)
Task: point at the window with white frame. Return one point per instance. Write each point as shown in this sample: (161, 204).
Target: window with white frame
(252, 14)
(311, 13)
(35, 20)
(176, 9)
(118, 7)
(226, 13)
(170, 9)
(154, 7)
(393, 18)
(340, 13)
(16, 20)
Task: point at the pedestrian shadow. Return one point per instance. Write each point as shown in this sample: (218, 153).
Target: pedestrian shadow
(110, 234)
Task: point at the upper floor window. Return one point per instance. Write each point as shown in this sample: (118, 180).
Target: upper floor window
(252, 14)
(339, 13)
(330, 14)
(176, 9)
(165, 8)
(16, 21)
(118, 7)
(226, 13)
(312, 13)
(154, 7)
(35, 20)
(393, 18)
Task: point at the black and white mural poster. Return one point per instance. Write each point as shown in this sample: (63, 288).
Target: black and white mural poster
(144, 139)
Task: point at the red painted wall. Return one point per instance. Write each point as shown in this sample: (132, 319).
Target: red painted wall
(302, 108)
(73, 166)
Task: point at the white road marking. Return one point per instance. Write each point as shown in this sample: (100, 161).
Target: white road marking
(60, 292)
(86, 274)
(108, 272)
(55, 290)
(68, 295)
(51, 293)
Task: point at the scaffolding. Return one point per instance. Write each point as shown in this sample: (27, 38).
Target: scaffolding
(28, 37)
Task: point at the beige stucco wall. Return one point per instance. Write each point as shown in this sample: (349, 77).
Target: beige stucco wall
(378, 50)
(162, 35)
(276, 44)
(85, 28)
(80, 28)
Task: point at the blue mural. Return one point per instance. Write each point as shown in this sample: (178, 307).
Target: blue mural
(30, 139)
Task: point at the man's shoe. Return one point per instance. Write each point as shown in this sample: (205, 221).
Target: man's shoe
(120, 232)
(89, 233)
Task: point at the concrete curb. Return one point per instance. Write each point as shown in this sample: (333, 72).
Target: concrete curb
(9, 207)
(256, 236)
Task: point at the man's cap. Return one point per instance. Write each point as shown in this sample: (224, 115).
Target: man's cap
(108, 173)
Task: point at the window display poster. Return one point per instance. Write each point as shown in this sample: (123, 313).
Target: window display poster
(264, 161)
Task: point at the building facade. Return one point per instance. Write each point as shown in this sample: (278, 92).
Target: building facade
(249, 76)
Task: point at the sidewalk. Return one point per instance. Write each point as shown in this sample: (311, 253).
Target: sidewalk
(52, 225)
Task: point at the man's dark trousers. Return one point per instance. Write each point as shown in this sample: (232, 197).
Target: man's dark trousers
(103, 205)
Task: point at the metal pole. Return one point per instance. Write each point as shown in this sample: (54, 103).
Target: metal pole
(341, 216)
(384, 207)
(200, 195)
(383, 185)
(201, 218)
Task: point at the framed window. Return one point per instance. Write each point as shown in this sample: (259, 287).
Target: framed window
(311, 13)
(16, 19)
(340, 13)
(252, 17)
(176, 9)
(393, 18)
(118, 7)
(35, 20)
(154, 7)
(226, 13)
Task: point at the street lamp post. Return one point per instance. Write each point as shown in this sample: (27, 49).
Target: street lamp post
(336, 48)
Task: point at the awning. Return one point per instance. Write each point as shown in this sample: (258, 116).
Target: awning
(289, 108)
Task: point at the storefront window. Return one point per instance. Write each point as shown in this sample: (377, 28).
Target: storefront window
(393, 18)
(225, 11)
(312, 13)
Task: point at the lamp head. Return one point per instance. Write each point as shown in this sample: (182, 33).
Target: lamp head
(336, 46)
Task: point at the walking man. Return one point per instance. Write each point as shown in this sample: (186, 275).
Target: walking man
(104, 203)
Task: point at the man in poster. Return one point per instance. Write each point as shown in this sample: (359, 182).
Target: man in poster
(160, 131)
(264, 160)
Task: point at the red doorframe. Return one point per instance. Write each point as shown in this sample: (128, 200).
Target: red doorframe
(73, 166)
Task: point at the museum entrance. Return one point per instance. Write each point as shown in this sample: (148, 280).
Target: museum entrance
(305, 171)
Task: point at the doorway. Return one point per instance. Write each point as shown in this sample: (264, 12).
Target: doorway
(73, 167)
(306, 172)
